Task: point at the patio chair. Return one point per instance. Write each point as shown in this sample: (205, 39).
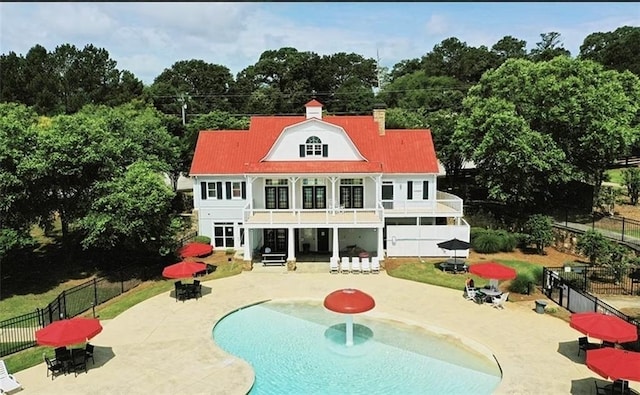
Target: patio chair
(606, 343)
(8, 383)
(584, 345)
(600, 390)
(375, 264)
(88, 350)
(334, 267)
(79, 359)
(63, 355)
(366, 265)
(355, 265)
(470, 293)
(180, 291)
(55, 367)
(196, 289)
(498, 301)
(344, 264)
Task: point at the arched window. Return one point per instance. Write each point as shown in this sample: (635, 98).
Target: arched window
(313, 146)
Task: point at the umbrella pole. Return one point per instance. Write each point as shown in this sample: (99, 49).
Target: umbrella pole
(349, 334)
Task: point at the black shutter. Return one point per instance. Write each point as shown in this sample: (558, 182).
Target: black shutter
(425, 190)
(203, 190)
(219, 189)
(244, 189)
(409, 190)
(302, 150)
(325, 150)
(228, 185)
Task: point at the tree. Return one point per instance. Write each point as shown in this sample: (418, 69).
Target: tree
(631, 180)
(509, 47)
(576, 106)
(618, 50)
(549, 46)
(130, 211)
(399, 118)
(595, 246)
(420, 93)
(539, 229)
(443, 126)
(202, 86)
(517, 164)
(456, 59)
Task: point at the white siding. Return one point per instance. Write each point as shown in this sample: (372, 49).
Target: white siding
(422, 241)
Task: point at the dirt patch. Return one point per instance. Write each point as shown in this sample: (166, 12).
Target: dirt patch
(551, 257)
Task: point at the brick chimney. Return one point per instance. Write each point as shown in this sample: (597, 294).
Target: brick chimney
(314, 109)
(379, 115)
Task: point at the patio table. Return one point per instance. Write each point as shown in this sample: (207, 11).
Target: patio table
(487, 294)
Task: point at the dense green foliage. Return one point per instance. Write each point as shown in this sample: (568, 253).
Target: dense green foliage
(631, 180)
(539, 231)
(594, 245)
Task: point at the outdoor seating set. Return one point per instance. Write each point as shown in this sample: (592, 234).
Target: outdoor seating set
(355, 265)
(186, 291)
(487, 294)
(69, 360)
(455, 265)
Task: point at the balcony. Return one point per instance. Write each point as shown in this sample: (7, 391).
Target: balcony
(445, 204)
(314, 218)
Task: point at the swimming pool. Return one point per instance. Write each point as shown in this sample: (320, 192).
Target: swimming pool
(297, 347)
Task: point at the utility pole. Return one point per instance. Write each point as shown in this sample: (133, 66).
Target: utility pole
(183, 101)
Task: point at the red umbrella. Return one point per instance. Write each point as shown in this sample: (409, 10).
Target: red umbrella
(605, 327)
(68, 331)
(349, 301)
(493, 270)
(195, 249)
(183, 269)
(614, 363)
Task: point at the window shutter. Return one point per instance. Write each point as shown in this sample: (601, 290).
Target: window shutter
(228, 185)
(219, 189)
(203, 190)
(302, 150)
(425, 190)
(325, 150)
(409, 190)
(244, 189)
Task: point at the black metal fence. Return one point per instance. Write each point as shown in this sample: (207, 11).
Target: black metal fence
(18, 333)
(569, 290)
(616, 228)
(601, 280)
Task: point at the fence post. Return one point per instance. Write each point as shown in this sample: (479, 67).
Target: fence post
(95, 295)
(593, 221)
(121, 282)
(622, 228)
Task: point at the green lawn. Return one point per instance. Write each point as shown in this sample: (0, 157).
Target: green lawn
(615, 175)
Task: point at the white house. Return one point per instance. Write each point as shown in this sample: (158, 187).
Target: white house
(332, 185)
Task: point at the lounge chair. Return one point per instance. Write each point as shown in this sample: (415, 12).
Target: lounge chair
(366, 265)
(375, 264)
(355, 265)
(54, 366)
(344, 264)
(79, 359)
(88, 350)
(334, 267)
(498, 301)
(8, 383)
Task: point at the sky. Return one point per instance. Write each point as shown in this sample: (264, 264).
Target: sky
(146, 38)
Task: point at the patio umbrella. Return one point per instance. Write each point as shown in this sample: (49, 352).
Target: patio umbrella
(183, 269)
(195, 249)
(68, 331)
(493, 271)
(605, 327)
(454, 245)
(615, 364)
(349, 301)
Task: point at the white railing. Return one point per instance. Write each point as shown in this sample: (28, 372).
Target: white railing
(312, 216)
(444, 203)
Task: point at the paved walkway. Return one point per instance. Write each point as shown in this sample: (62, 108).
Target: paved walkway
(161, 346)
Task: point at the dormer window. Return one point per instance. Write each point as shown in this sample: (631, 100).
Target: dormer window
(314, 147)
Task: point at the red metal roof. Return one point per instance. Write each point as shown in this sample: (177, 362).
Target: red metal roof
(313, 103)
(240, 151)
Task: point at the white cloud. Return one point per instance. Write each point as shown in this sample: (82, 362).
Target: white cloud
(437, 25)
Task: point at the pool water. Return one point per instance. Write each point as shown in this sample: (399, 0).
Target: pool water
(298, 348)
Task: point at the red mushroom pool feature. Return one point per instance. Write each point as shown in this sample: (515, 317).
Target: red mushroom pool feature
(349, 301)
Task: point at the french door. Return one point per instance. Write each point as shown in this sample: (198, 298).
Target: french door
(314, 197)
(277, 197)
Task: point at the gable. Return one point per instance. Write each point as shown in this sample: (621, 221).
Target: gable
(316, 140)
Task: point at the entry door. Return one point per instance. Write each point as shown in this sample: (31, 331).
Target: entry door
(323, 239)
(277, 198)
(314, 197)
(387, 194)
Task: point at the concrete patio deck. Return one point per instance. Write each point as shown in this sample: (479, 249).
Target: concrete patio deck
(161, 346)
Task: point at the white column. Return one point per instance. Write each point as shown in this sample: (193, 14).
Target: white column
(291, 252)
(380, 244)
(247, 245)
(250, 191)
(336, 244)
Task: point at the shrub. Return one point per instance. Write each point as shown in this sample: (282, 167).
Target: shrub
(202, 239)
(536, 273)
(488, 243)
(475, 232)
(521, 283)
(508, 241)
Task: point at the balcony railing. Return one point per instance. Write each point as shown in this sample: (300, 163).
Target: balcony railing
(313, 216)
(445, 203)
